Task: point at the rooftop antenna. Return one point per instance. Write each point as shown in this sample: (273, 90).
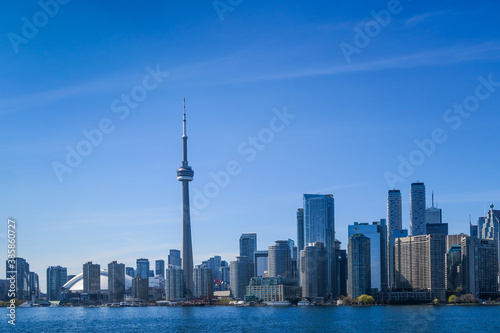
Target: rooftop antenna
(433, 199)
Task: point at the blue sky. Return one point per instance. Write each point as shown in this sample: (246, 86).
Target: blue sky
(350, 119)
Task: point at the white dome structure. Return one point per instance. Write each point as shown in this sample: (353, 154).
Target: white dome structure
(76, 283)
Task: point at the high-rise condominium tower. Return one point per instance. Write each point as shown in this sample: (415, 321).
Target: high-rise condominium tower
(319, 226)
(417, 209)
(248, 246)
(394, 224)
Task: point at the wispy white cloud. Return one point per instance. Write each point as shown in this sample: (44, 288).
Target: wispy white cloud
(413, 21)
(429, 58)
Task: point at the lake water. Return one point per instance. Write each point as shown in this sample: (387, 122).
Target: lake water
(258, 319)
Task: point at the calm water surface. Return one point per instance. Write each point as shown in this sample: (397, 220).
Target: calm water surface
(259, 319)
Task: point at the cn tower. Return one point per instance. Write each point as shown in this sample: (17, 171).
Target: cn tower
(185, 175)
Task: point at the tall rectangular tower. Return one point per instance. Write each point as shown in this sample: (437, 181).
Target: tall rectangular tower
(319, 226)
(394, 224)
(57, 276)
(417, 209)
(116, 281)
(248, 246)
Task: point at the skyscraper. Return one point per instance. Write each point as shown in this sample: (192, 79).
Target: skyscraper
(22, 269)
(479, 267)
(91, 278)
(453, 264)
(248, 246)
(313, 270)
(341, 269)
(160, 267)
(319, 226)
(175, 284)
(417, 209)
(434, 220)
(174, 258)
(214, 264)
(490, 229)
(261, 263)
(140, 289)
(203, 281)
(185, 175)
(57, 276)
(280, 260)
(358, 267)
(130, 271)
(116, 281)
(241, 270)
(300, 234)
(394, 224)
(142, 268)
(377, 232)
(420, 264)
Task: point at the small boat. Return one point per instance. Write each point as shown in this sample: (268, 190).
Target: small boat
(279, 303)
(25, 305)
(305, 302)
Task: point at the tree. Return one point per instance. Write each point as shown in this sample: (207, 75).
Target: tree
(452, 299)
(347, 300)
(436, 301)
(365, 299)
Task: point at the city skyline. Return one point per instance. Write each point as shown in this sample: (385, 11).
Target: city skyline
(275, 112)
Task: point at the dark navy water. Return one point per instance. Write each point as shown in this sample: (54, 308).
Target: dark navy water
(258, 319)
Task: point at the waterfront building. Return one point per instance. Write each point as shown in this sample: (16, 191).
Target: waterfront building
(273, 289)
(241, 270)
(420, 264)
(91, 278)
(57, 276)
(377, 233)
(140, 288)
(22, 269)
(417, 209)
(314, 270)
(33, 286)
(174, 258)
(453, 264)
(319, 226)
(142, 268)
(116, 281)
(280, 260)
(489, 228)
(160, 268)
(358, 267)
(175, 283)
(203, 280)
(479, 267)
(394, 227)
(341, 270)
(248, 246)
